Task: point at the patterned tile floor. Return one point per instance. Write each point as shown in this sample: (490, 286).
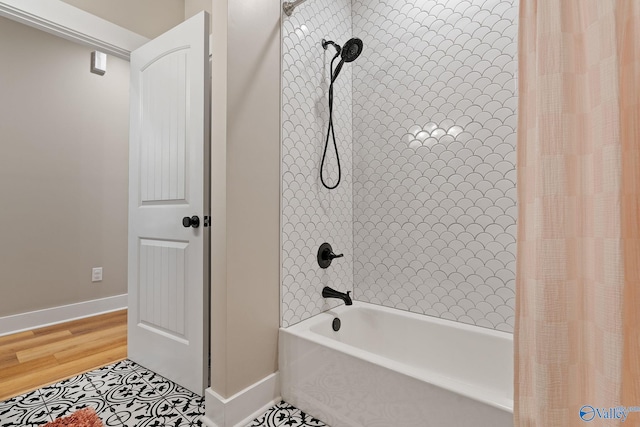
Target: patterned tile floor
(126, 394)
(285, 415)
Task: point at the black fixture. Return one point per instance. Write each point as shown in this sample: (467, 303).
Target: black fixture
(348, 53)
(336, 324)
(327, 292)
(326, 255)
(194, 222)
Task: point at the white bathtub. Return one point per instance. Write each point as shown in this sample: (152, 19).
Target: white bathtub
(391, 368)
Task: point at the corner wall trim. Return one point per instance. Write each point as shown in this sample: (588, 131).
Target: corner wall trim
(244, 406)
(72, 23)
(51, 316)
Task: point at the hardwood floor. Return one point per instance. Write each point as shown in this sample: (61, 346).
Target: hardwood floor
(33, 359)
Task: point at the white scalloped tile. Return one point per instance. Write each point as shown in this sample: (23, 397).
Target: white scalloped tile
(425, 121)
(434, 121)
(311, 214)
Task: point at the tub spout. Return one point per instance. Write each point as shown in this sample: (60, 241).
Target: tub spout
(327, 292)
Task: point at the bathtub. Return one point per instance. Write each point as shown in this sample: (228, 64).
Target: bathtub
(391, 368)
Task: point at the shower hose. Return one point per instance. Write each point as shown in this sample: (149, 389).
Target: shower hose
(330, 132)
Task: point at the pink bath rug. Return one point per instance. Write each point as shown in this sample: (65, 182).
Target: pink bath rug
(86, 417)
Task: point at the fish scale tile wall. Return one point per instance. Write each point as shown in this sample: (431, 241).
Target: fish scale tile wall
(312, 214)
(426, 131)
(434, 122)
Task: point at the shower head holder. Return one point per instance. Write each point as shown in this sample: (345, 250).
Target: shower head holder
(326, 43)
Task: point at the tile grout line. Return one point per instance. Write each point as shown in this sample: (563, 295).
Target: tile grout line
(108, 405)
(44, 404)
(162, 396)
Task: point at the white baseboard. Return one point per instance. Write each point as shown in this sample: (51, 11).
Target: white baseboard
(244, 406)
(51, 316)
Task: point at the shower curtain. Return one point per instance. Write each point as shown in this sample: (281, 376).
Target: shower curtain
(577, 332)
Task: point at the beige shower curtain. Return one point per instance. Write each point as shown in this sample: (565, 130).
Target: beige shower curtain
(577, 334)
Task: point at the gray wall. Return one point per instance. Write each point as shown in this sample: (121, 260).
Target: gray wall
(193, 7)
(149, 18)
(64, 136)
(245, 193)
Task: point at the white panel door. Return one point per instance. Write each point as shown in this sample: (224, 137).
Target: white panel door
(168, 181)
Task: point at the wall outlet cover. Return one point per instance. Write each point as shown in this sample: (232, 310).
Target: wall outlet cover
(96, 274)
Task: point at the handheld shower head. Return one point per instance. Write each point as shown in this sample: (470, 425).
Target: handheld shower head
(351, 50)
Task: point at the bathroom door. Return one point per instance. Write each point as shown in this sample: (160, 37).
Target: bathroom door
(169, 204)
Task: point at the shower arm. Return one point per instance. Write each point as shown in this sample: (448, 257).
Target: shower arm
(289, 6)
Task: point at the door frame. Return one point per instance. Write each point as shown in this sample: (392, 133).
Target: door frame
(69, 22)
(63, 20)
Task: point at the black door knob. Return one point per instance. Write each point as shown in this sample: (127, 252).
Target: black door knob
(194, 222)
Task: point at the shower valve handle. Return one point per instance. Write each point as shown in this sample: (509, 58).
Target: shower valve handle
(326, 255)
